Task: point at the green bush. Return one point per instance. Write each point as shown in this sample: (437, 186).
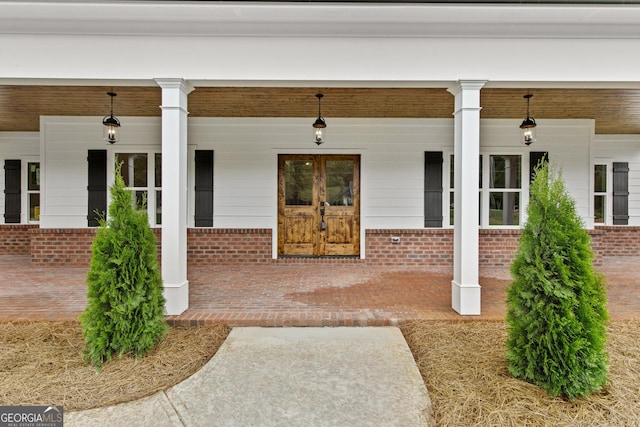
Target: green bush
(556, 307)
(125, 312)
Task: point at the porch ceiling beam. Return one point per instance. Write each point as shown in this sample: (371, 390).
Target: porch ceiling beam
(366, 84)
(320, 19)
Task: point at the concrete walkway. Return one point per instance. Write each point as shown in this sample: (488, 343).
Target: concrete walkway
(288, 377)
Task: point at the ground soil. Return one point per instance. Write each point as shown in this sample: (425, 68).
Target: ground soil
(462, 364)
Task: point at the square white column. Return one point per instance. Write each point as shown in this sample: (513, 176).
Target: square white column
(465, 287)
(174, 193)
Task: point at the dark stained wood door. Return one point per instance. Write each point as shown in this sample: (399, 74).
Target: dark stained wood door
(319, 205)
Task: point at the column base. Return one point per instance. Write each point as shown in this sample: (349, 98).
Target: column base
(177, 296)
(465, 299)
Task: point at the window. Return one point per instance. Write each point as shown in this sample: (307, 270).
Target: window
(33, 190)
(505, 176)
(142, 174)
(600, 194)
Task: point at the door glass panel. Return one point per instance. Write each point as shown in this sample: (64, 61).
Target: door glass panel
(339, 176)
(134, 168)
(298, 182)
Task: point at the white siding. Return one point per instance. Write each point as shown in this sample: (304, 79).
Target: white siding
(246, 149)
(567, 142)
(65, 142)
(245, 182)
(621, 148)
(23, 146)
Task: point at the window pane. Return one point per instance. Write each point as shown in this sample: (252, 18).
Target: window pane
(298, 182)
(134, 168)
(140, 200)
(505, 171)
(451, 206)
(158, 207)
(339, 182)
(600, 178)
(34, 176)
(34, 207)
(452, 174)
(504, 208)
(599, 203)
(158, 172)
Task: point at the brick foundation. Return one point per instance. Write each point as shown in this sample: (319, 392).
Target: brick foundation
(250, 246)
(615, 241)
(228, 246)
(432, 246)
(15, 239)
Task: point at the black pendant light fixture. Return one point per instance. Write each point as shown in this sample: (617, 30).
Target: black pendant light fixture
(319, 125)
(528, 125)
(111, 124)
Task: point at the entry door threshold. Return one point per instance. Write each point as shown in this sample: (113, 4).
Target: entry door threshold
(319, 257)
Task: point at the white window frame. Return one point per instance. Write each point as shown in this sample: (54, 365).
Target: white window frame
(485, 190)
(608, 216)
(25, 218)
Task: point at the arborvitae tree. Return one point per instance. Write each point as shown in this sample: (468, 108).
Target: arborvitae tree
(125, 312)
(556, 307)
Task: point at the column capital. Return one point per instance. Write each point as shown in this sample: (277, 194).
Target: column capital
(462, 85)
(175, 83)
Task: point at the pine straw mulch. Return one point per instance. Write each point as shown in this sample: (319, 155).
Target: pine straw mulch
(41, 364)
(464, 368)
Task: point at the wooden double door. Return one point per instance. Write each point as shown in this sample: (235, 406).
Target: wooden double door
(318, 205)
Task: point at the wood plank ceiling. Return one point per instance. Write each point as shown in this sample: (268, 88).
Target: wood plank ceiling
(616, 111)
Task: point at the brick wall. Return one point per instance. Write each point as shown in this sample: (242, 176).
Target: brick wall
(615, 241)
(69, 246)
(432, 246)
(15, 239)
(245, 246)
(227, 246)
(497, 248)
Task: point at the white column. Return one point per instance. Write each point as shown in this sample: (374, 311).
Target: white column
(174, 193)
(465, 287)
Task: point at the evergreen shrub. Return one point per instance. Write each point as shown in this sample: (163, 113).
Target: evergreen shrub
(125, 311)
(556, 305)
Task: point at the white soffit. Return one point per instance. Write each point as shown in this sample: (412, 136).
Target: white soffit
(319, 19)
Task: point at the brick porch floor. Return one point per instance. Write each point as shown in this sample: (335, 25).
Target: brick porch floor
(286, 294)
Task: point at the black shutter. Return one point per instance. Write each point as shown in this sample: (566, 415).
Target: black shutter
(535, 157)
(620, 193)
(12, 189)
(97, 186)
(204, 188)
(433, 188)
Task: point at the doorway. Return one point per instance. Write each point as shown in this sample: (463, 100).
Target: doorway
(318, 205)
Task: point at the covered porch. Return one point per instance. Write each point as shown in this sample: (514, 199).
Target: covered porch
(311, 294)
(241, 78)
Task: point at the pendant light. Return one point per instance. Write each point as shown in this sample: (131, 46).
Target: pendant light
(528, 126)
(319, 125)
(111, 124)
